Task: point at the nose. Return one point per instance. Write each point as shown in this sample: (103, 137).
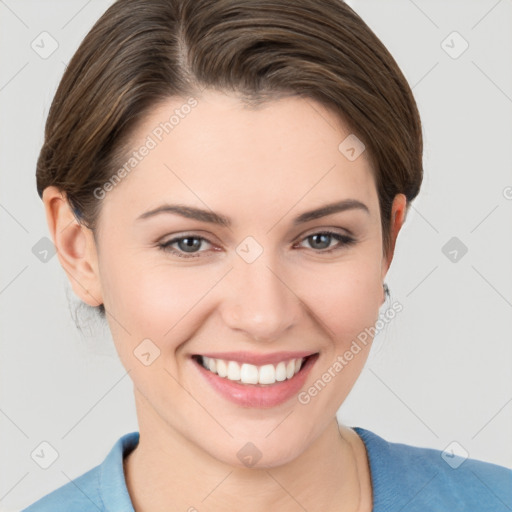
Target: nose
(259, 301)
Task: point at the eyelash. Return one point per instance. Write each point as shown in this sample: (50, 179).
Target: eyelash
(344, 240)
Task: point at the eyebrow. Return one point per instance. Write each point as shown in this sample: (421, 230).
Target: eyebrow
(191, 212)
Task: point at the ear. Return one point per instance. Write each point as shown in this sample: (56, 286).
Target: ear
(75, 245)
(398, 213)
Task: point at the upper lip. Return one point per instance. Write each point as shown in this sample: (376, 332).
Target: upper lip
(257, 359)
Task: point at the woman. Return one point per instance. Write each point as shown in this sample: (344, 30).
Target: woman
(225, 181)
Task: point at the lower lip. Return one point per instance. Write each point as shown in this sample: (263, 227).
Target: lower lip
(255, 395)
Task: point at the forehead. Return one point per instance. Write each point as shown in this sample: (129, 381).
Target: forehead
(219, 151)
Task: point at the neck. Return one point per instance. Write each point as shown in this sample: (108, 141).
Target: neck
(167, 471)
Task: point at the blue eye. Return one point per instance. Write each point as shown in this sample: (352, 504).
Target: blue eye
(324, 239)
(188, 246)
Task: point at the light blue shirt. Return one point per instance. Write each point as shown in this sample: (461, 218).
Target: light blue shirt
(404, 478)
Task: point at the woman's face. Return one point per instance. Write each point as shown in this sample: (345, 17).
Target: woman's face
(264, 281)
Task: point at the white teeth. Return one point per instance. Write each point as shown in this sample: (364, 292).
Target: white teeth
(248, 373)
(233, 371)
(222, 369)
(280, 372)
(290, 369)
(212, 365)
(251, 374)
(267, 374)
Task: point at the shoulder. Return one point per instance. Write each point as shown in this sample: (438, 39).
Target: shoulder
(97, 489)
(78, 495)
(427, 479)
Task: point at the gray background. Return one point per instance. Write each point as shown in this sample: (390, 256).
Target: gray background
(440, 372)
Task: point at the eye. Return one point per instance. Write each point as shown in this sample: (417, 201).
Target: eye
(321, 241)
(187, 246)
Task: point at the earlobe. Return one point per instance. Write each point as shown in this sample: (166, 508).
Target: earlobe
(75, 245)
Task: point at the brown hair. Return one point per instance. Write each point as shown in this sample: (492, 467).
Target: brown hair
(142, 52)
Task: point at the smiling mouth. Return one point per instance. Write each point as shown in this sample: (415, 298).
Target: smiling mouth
(245, 373)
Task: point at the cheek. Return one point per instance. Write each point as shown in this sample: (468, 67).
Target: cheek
(154, 300)
(344, 297)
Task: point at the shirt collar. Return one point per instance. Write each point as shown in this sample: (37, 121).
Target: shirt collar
(113, 490)
(115, 496)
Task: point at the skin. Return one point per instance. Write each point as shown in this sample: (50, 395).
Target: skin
(260, 167)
